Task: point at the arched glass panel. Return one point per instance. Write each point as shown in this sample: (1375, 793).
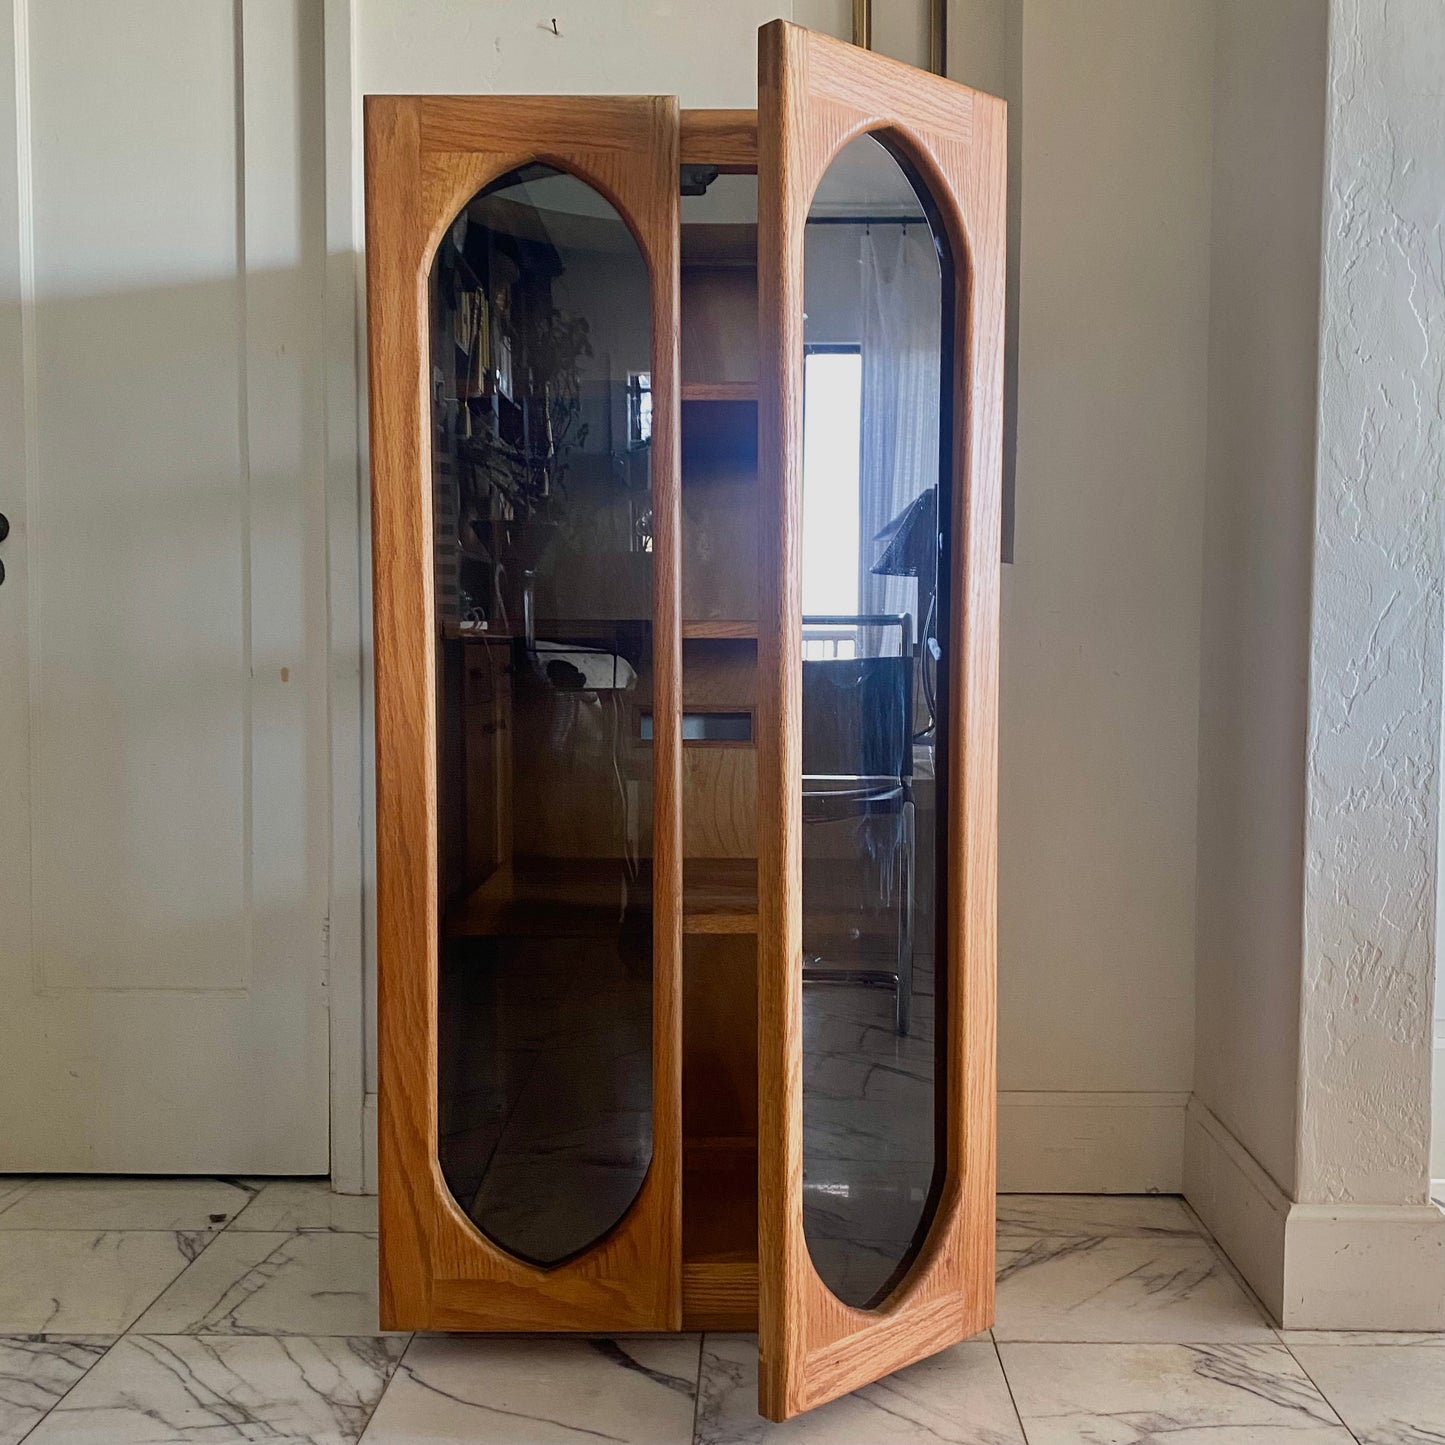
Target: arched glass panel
(876, 618)
(541, 427)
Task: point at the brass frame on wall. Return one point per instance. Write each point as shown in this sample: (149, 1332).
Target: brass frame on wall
(937, 31)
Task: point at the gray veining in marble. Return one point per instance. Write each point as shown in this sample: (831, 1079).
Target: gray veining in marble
(1386, 1394)
(1123, 1289)
(302, 1205)
(1237, 1394)
(36, 1372)
(71, 1281)
(1117, 1322)
(214, 1390)
(1025, 1216)
(100, 1202)
(959, 1396)
(517, 1390)
(260, 1283)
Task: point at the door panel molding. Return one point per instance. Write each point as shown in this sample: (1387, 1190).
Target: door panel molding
(425, 158)
(815, 95)
(162, 846)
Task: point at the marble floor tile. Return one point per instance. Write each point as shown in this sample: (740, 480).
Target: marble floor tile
(1124, 1289)
(513, 1391)
(959, 1396)
(87, 1283)
(1413, 1339)
(1386, 1394)
(35, 1373)
(1031, 1215)
(1185, 1394)
(72, 1201)
(165, 1390)
(293, 1205)
(273, 1284)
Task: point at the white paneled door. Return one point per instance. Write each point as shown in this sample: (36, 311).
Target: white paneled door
(163, 802)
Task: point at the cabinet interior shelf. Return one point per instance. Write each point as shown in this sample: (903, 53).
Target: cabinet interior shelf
(577, 897)
(719, 391)
(702, 629)
(720, 629)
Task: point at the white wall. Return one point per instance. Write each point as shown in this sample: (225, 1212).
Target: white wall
(1101, 609)
(705, 54)
(1269, 120)
(1100, 665)
(1308, 1148)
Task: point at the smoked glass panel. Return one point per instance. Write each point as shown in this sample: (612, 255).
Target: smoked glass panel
(877, 287)
(541, 505)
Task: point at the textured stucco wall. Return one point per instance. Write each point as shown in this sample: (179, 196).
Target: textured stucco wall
(1373, 776)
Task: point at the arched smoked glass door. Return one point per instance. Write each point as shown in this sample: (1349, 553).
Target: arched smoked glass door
(522, 299)
(543, 580)
(881, 230)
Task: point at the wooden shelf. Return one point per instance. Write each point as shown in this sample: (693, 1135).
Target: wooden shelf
(720, 629)
(720, 1234)
(719, 391)
(579, 897)
(720, 895)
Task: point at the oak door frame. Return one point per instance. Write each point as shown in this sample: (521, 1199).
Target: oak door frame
(815, 94)
(426, 156)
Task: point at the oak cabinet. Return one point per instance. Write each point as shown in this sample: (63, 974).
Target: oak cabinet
(685, 469)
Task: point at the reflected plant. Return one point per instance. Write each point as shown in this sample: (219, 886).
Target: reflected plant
(525, 475)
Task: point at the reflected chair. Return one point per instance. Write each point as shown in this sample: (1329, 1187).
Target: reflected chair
(858, 766)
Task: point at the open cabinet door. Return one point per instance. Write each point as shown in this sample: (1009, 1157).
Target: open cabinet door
(522, 271)
(881, 293)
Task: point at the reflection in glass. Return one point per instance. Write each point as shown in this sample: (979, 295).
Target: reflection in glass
(541, 425)
(877, 286)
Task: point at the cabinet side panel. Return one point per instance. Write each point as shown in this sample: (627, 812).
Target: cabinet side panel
(405, 791)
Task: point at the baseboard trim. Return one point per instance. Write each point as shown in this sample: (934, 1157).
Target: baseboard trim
(1239, 1203)
(1365, 1267)
(1315, 1266)
(1074, 1142)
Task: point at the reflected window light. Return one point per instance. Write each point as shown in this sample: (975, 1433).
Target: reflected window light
(832, 420)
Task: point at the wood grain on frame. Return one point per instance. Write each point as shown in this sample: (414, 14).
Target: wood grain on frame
(727, 139)
(425, 158)
(815, 95)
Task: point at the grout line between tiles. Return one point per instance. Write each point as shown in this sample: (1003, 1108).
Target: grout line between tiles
(1304, 1370)
(64, 1394)
(145, 1308)
(1009, 1386)
(697, 1391)
(395, 1370)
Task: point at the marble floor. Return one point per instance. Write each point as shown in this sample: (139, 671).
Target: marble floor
(142, 1311)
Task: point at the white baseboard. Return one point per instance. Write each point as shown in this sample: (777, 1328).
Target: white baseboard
(1365, 1267)
(1072, 1142)
(1240, 1204)
(1315, 1266)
